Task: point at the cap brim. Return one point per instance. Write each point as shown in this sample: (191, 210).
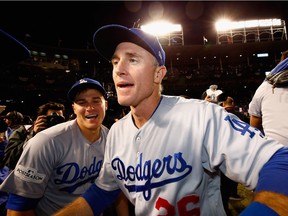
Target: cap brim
(11, 49)
(107, 38)
(72, 93)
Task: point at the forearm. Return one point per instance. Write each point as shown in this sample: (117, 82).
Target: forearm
(122, 205)
(271, 190)
(268, 198)
(20, 213)
(77, 208)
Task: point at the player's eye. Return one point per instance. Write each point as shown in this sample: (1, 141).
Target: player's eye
(114, 62)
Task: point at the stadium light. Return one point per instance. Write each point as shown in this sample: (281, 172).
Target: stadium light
(250, 30)
(167, 33)
(161, 28)
(224, 24)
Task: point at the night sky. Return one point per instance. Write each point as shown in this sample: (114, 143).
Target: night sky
(73, 23)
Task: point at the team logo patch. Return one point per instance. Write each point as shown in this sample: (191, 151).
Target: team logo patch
(29, 174)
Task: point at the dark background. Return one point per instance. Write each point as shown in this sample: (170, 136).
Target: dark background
(72, 24)
(67, 27)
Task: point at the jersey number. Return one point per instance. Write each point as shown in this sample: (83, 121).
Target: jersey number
(182, 206)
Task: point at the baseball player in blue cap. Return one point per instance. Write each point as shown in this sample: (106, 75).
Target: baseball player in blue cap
(166, 153)
(60, 163)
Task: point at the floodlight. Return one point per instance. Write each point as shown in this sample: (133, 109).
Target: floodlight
(161, 28)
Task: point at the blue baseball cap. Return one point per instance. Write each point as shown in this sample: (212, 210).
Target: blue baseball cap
(107, 38)
(11, 50)
(85, 83)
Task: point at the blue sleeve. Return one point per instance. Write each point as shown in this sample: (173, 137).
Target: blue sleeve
(20, 203)
(273, 177)
(99, 199)
(274, 174)
(258, 209)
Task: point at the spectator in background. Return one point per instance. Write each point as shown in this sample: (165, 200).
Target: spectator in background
(212, 94)
(269, 105)
(229, 106)
(63, 160)
(13, 120)
(48, 114)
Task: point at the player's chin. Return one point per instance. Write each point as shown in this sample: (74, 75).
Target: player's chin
(125, 100)
(93, 121)
(93, 126)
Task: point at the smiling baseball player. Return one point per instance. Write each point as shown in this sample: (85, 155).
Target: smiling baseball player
(166, 154)
(60, 163)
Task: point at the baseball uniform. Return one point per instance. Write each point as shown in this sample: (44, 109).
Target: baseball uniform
(271, 105)
(61, 165)
(170, 166)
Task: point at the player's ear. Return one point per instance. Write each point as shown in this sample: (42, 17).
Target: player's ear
(160, 74)
(73, 108)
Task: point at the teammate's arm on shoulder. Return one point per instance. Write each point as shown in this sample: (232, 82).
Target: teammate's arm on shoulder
(20, 213)
(73, 209)
(277, 202)
(271, 189)
(122, 205)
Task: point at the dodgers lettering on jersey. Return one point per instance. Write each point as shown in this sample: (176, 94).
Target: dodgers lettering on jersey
(71, 173)
(146, 172)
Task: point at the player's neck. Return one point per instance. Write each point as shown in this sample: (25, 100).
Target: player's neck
(141, 114)
(92, 135)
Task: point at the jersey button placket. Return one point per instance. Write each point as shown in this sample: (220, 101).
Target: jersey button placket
(138, 144)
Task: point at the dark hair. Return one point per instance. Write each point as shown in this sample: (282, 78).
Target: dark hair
(43, 109)
(15, 117)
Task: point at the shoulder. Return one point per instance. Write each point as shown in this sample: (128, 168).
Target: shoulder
(185, 108)
(59, 132)
(172, 101)
(264, 86)
(104, 130)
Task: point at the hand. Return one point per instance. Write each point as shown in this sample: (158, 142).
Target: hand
(40, 124)
(208, 98)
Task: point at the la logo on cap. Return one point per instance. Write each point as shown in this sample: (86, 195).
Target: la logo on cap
(82, 81)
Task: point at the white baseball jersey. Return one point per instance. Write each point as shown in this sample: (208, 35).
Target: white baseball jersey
(272, 107)
(59, 164)
(170, 165)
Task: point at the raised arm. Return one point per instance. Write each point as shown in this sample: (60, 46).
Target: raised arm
(20, 213)
(271, 195)
(76, 208)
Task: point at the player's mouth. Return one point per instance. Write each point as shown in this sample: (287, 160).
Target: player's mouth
(91, 116)
(124, 85)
